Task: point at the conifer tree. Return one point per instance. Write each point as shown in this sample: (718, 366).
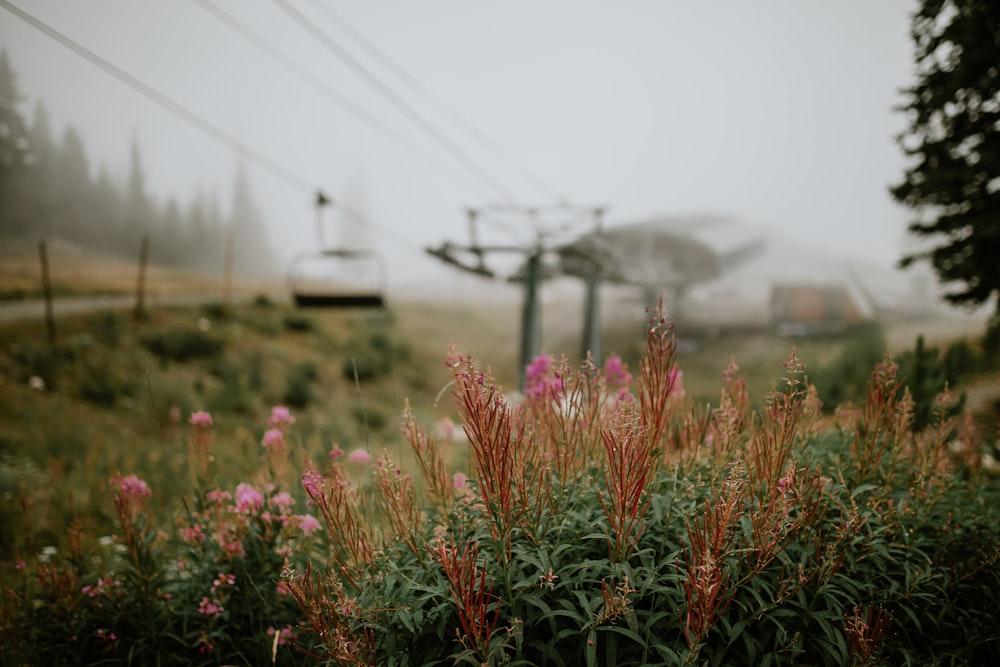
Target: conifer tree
(953, 144)
(15, 155)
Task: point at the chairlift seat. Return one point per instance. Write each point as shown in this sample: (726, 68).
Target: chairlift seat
(361, 285)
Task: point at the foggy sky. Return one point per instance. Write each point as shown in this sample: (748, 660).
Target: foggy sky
(778, 112)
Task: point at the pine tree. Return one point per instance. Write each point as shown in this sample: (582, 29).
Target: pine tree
(15, 154)
(251, 245)
(953, 145)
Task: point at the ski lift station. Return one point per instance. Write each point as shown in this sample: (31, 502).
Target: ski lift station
(717, 273)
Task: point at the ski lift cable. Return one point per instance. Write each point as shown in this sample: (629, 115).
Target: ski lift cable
(231, 142)
(422, 90)
(159, 98)
(331, 93)
(396, 100)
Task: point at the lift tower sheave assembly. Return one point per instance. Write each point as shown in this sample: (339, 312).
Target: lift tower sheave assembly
(532, 272)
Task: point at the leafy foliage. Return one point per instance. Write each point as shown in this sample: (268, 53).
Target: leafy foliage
(728, 537)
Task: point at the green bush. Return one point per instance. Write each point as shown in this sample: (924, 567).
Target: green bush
(372, 356)
(107, 327)
(298, 384)
(606, 528)
(844, 380)
(101, 382)
(182, 344)
(298, 323)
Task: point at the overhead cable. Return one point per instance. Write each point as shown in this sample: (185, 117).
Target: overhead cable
(198, 122)
(396, 100)
(183, 113)
(423, 91)
(323, 87)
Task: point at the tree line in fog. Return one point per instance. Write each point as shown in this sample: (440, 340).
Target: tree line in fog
(50, 190)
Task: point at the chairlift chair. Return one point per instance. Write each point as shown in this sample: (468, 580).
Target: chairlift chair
(337, 277)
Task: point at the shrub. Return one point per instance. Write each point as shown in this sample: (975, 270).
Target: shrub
(298, 323)
(101, 382)
(182, 344)
(844, 379)
(107, 327)
(298, 384)
(373, 356)
(201, 592)
(604, 524)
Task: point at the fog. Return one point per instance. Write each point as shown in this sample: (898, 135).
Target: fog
(776, 113)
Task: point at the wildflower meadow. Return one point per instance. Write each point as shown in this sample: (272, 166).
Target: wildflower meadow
(602, 517)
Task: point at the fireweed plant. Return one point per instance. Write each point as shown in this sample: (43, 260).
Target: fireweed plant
(606, 520)
(204, 591)
(603, 519)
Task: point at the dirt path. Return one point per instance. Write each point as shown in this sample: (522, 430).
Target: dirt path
(34, 309)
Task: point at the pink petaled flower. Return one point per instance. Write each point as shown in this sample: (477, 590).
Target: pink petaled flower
(248, 499)
(336, 452)
(233, 547)
(460, 481)
(131, 486)
(193, 535)
(218, 496)
(676, 380)
(313, 482)
(223, 580)
(540, 380)
(210, 607)
(273, 438)
(284, 634)
(20, 565)
(308, 524)
(615, 372)
(106, 635)
(445, 429)
(201, 419)
(280, 415)
(283, 501)
(359, 456)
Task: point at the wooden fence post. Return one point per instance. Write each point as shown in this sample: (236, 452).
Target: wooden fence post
(50, 320)
(140, 287)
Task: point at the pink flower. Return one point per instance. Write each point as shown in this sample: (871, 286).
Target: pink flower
(193, 535)
(223, 580)
(280, 416)
(233, 547)
(359, 456)
(201, 419)
(273, 438)
(445, 429)
(131, 486)
(336, 452)
(283, 501)
(248, 499)
(313, 483)
(106, 635)
(20, 565)
(218, 496)
(615, 372)
(460, 481)
(676, 380)
(540, 379)
(210, 607)
(284, 634)
(308, 524)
